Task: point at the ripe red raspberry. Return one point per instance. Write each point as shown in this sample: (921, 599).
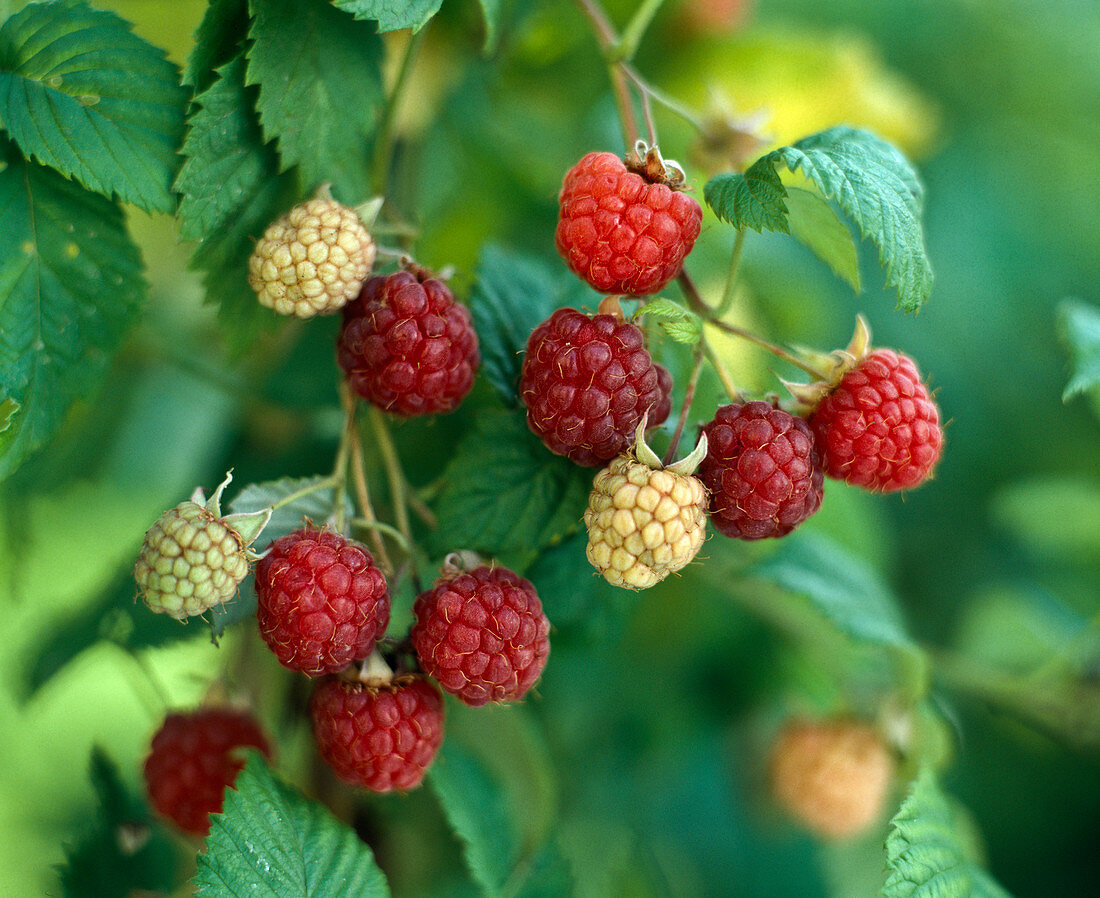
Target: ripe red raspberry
(879, 428)
(762, 469)
(193, 758)
(482, 635)
(321, 601)
(619, 230)
(407, 346)
(380, 737)
(586, 383)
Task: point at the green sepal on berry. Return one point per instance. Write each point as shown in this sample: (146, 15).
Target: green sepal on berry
(194, 558)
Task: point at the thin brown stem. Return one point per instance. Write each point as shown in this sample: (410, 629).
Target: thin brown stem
(608, 39)
(359, 481)
(689, 396)
(394, 475)
(647, 90)
(723, 375)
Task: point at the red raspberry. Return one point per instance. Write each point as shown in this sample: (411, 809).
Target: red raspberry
(407, 346)
(621, 232)
(587, 381)
(321, 601)
(482, 635)
(378, 737)
(762, 469)
(879, 429)
(193, 759)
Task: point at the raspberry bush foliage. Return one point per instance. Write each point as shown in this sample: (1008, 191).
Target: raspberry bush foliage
(600, 516)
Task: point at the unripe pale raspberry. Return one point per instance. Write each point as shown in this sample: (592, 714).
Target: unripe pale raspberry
(643, 524)
(407, 346)
(832, 775)
(381, 737)
(311, 261)
(762, 469)
(587, 381)
(193, 758)
(321, 602)
(482, 635)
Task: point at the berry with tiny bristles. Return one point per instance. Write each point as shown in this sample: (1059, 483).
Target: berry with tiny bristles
(321, 601)
(311, 261)
(587, 381)
(193, 758)
(482, 634)
(380, 736)
(407, 347)
(762, 469)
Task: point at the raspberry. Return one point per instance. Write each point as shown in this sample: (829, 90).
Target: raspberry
(587, 381)
(407, 346)
(762, 469)
(879, 428)
(193, 758)
(832, 775)
(643, 524)
(312, 260)
(620, 231)
(482, 635)
(321, 601)
(380, 737)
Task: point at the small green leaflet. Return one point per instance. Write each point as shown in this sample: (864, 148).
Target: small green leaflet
(320, 78)
(1079, 323)
(868, 178)
(271, 841)
(217, 41)
(392, 15)
(79, 92)
(926, 855)
(680, 324)
(70, 287)
(8, 408)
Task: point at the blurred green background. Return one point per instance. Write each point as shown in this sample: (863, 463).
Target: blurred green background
(656, 708)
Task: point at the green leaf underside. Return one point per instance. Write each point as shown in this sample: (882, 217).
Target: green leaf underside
(79, 92)
(392, 15)
(70, 287)
(217, 41)
(270, 841)
(840, 586)
(506, 493)
(868, 179)
(680, 324)
(925, 853)
(815, 224)
(1080, 326)
(320, 79)
(513, 294)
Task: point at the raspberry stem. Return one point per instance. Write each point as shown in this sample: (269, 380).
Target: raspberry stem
(384, 142)
(635, 30)
(685, 409)
(359, 478)
(395, 476)
(608, 39)
(730, 289)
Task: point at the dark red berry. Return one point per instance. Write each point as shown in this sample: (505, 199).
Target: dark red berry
(482, 635)
(621, 232)
(587, 381)
(407, 346)
(321, 601)
(193, 758)
(762, 470)
(378, 737)
(880, 428)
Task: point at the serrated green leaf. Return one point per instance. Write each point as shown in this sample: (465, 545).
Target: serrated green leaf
(392, 15)
(815, 225)
(8, 409)
(868, 178)
(513, 293)
(218, 40)
(680, 324)
(320, 79)
(925, 853)
(505, 493)
(1079, 323)
(79, 92)
(70, 287)
(270, 840)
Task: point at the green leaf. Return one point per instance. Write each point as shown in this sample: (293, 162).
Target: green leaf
(269, 840)
(926, 854)
(505, 493)
(815, 224)
(320, 78)
(218, 39)
(513, 294)
(8, 408)
(680, 324)
(490, 11)
(70, 287)
(81, 93)
(868, 178)
(1079, 323)
(392, 15)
